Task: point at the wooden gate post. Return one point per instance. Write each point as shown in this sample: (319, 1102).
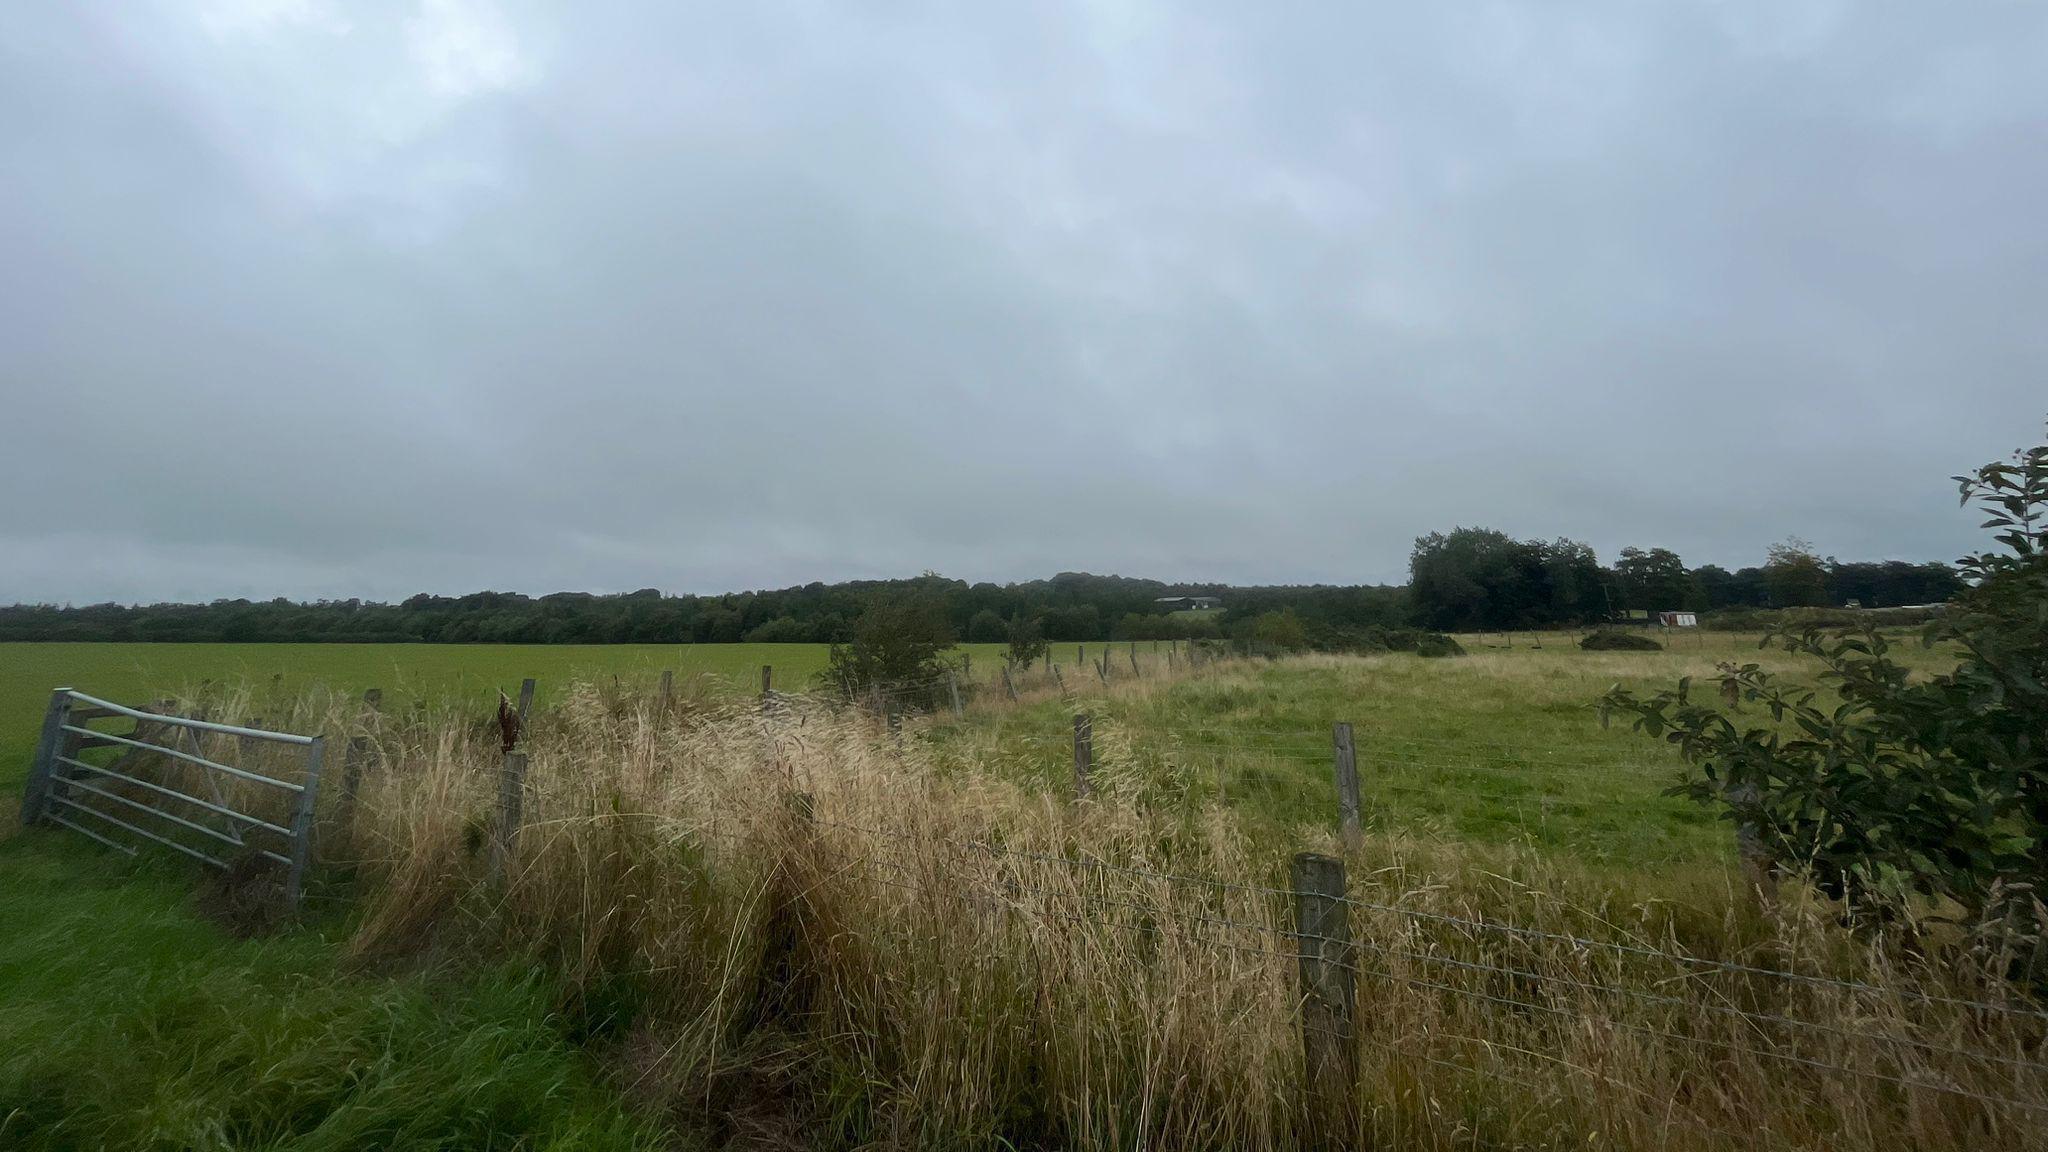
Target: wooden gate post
(1084, 753)
(35, 796)
(1329, 1046)
(1347, 789)
(511, 811)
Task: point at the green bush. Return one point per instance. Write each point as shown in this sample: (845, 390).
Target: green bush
(898, 646)
(1615, 640)
(1936, 786)
(1435, 645)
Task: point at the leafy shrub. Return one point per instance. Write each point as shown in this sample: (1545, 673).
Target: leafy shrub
(1934, 786)
(1435, 645)
(1377, 640)
(1027, 641)
(1615, 640)
(898, 646)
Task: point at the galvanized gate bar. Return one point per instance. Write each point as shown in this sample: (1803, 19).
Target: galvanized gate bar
(188, 722)
(174, 794)
(180, 821)
(194, 853)
(252, 777)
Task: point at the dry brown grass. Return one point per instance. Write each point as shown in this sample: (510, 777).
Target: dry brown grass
(793, 922)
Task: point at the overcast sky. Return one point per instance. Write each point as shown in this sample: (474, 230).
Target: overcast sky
(352, 299)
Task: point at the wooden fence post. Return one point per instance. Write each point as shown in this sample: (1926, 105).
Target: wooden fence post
(967, 665)
(767, 682)
(1347, 789)
(1058, 679)
(525, 703)
(953, 690)
(1749, 842)
(1084, 753)
(1009, 685)
(352, 762)
(35, 795)
(667, 692)
(1134, 658)
(1322, 927)
(1102, 667)
(1169, 655)
(511, 810)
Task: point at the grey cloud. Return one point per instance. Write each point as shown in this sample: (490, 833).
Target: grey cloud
(364, 300)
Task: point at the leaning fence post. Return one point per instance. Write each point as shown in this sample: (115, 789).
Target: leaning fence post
(1134, 658)
(1322, 927)
(953, 689)
(302, 824)
(1009, 685)
(511, 811)
(525, 702)
(1084, 753)
(1058, 679)
(35, 796)
(1347, 789)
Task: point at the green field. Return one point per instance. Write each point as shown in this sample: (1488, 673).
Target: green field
(135, 1022)
(132, 673)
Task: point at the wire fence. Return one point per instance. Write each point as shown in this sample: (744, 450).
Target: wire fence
(1531, 994)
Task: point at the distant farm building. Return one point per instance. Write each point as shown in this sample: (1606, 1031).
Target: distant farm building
(1678, 619)
(1187, 603)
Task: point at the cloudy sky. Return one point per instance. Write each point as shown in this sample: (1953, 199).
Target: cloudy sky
(351, 299)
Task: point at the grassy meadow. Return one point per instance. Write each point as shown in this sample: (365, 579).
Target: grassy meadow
(953, 952)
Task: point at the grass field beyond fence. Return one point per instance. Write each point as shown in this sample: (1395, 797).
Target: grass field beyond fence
(941, 945)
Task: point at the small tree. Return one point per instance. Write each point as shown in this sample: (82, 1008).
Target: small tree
(1795, 576)
(1027, 641)
(1282, 630)
(1934, 785)
(898, 646)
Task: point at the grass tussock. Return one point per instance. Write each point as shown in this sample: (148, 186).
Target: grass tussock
(790, 921)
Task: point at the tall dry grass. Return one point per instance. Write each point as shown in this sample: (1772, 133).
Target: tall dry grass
(793, 916)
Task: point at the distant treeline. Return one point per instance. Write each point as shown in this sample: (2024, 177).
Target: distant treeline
(1467, 580)
(1474, 579)
(1070, 606)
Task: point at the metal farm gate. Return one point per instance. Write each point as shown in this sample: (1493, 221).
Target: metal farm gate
(219, 793)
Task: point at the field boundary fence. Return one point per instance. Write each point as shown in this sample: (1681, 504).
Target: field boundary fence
(1342, 949)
